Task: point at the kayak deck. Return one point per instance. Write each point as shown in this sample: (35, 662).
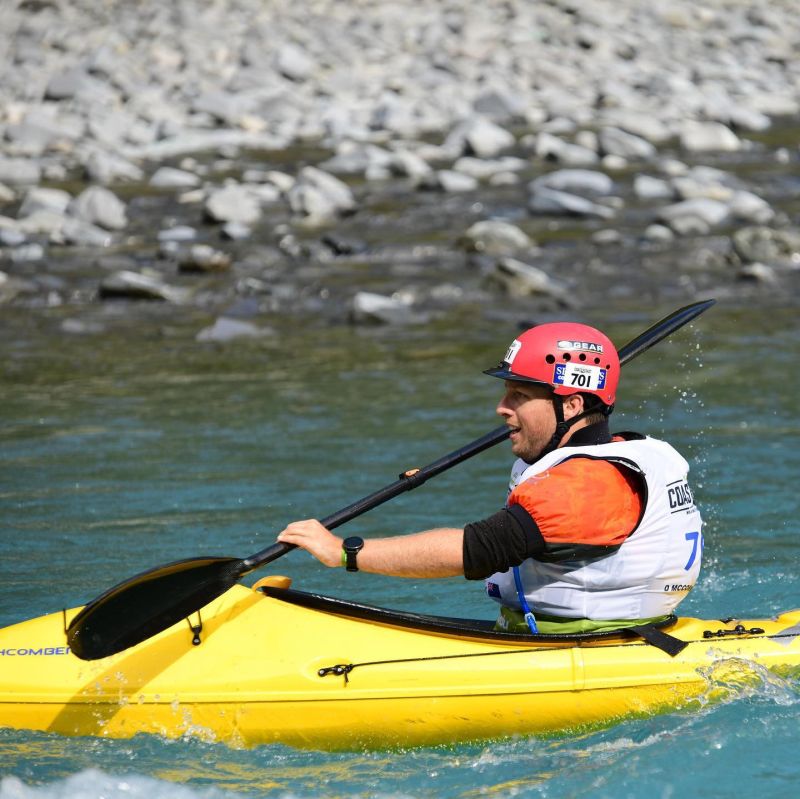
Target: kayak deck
(277, 665)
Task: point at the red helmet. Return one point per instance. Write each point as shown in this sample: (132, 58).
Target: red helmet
(569, 357)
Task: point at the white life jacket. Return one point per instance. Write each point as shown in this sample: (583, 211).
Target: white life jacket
(650, 573)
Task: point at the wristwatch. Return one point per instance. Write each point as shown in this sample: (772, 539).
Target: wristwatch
(351, 547)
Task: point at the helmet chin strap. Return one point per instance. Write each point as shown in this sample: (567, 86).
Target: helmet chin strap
(563, 425)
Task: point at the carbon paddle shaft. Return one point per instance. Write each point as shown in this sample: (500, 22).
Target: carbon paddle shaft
(407, 481)
(413, 478)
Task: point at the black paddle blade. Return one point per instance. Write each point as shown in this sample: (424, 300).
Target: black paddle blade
(148, 603)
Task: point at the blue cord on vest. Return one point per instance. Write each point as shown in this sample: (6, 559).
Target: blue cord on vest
(529, 618)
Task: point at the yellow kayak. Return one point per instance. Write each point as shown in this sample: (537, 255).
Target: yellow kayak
(272, 664)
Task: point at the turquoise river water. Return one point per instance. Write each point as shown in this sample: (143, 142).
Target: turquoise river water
(123, 452)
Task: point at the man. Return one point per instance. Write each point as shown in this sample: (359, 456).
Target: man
(598, 531)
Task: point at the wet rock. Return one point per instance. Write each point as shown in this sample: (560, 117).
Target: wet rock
(748, 119)
(583, 182)
(318, 196)
(27, 253)
(233, 203)
(43, 221)
(282, 181)
(485, 169)
(189, 142)
(179, 233)
(749, 207)
(294, 62)
(19, 171)
(448, 180)
(407, 164)
(499, 105)
(10, 288)
(236, 231)
(704, 184)
(11, 237)
(203, 258)
(227, 329)
(370, 308)
(544, 200)
(167, 177)
(614, 141)
(107, 168)
(658, 233)
(38, 199)
(552, 148)
(65, 85)
(44, 128)
(223, 106)
(81, 327)
(342, 245)
(83, 234)
(649, 188)
(646, 126)
(700, 137)
(99, 206)
(519, 279)
(138, 286)
(607, 237)
(694, 217)
(114, 126)
(495, 237)
(758, 273)
(504, 179)
(762, 244)
(265, 193)
(478, 136)
(356, 158)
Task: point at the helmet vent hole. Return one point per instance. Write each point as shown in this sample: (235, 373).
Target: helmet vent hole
(567, 356)
(597, 361)
(582, 356)
(550, 358)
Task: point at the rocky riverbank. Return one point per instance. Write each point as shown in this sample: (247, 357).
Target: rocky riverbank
(237, 164)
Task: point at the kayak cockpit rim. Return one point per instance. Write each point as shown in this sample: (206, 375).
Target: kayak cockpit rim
(484, 630)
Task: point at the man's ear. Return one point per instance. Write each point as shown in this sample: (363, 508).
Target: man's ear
(573, 405)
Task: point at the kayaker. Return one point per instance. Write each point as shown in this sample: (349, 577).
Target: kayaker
(598, 531)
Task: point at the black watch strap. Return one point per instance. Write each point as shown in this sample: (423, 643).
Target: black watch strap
(352, 546)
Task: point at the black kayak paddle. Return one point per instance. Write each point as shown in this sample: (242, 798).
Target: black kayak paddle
(148, 603)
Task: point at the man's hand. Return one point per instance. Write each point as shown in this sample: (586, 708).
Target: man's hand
(310, 535)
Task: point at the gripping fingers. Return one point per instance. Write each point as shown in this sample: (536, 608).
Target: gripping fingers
(312, 536)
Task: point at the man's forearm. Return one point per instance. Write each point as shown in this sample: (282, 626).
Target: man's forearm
(432, 553)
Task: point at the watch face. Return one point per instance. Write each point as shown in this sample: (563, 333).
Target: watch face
(354, 543)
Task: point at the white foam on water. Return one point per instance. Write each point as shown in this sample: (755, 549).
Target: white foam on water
(96, 784)
(731, 678)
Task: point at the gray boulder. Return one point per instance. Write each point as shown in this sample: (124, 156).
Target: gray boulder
(99, 206)
(544, 200)
(700, 137)
(318, 196)
(227, 329)
(19, 171)
(583, 182)
(131, 285)
(519, 279)
(495, 237)
(233, 203)
(614, 141)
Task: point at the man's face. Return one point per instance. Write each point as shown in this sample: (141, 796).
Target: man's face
(527, 409)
